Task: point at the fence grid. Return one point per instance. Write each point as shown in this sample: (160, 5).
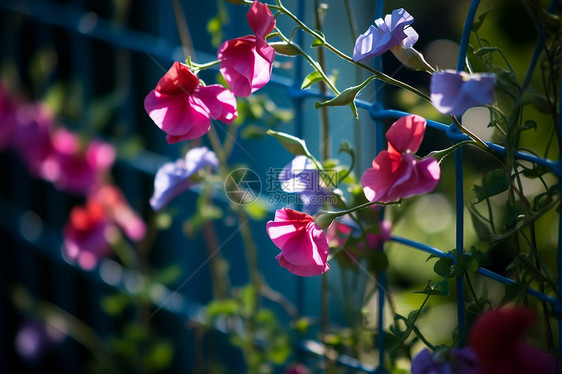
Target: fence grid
(48, 240)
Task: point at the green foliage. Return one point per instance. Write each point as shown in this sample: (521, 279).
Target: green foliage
(346, 97)
(493, 183)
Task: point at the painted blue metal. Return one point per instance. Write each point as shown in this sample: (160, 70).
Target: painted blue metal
(72, 18)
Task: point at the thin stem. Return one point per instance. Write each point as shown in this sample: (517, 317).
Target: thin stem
(324, 118)
(183, 29)
(471, 288)
(471, 135)
(343, 56)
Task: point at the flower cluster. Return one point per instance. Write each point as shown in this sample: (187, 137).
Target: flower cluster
(496, 345)
(51, 152)
(396, 173)
(48, 150)
(182, 106)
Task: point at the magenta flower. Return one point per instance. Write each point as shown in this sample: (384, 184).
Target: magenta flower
(72, 169)
(498, 339)
(454, 92)
(458, 361)
(394, 30)
(246, 62)
(183, 108)
(174, 178)
(8, 117)
(31, 138)
(304, 246)
(396, 173)
(92, 228)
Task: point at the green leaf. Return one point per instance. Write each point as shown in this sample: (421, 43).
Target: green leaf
(310, 79)
(257, 210)
(481, 227)
(478, 23)
(226, 307)
(512, 215)
(293, 144)
(115, 304)
(443, 267)
(346, 97)
(253, 132)
(441, 154)
(378, 261)
(319, 42)
(169, 274)
(493, 182)
(441, 288)
(529, 124)
(160, 356)
(513, 292)
(285, 49)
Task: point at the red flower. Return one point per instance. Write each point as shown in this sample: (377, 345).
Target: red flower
(91, 229)
(246, 61)
(497, 337)
(86, 235)
(183, 108)
(304, 246)
(396, 173)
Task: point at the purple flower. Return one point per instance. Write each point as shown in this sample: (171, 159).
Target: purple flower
(173, 178)
(458, 361)
(454, 92)
(302, 176)
(392, 31)
(35, 338)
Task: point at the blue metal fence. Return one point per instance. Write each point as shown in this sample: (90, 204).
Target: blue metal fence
(38, 239)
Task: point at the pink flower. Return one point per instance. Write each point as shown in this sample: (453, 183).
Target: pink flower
(497, 337)
(304, 246)
(8, 117)
(72, 169)
(396, 173)
(116, 207)
(183, 108)
(376, 240)
(338, 233)
(246, 61)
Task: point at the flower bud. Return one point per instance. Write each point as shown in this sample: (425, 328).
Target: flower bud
(411, 58)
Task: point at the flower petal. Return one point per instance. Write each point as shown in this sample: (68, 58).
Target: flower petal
(261, 19)
(406, 134)
(454, 92)
(220, 102)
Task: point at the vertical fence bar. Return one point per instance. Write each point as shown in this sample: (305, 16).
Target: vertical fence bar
(459, 179)
(298, 103)
(379, 146)
(558, 307)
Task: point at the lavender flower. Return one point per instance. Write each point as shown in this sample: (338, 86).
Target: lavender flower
(392, 31)
(458, 361)
(302, 176)
(173, 178)
(454, 92)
